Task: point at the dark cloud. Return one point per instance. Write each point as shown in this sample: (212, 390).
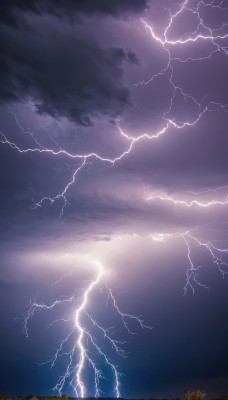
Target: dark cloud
(64, 75)
(9, 11)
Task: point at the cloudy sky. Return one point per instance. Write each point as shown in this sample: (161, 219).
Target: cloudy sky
(113, 147)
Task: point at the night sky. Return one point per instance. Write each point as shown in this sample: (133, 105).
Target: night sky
(142, 83)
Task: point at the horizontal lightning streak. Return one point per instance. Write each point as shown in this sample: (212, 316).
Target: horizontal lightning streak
(190, 203)
(182, 41)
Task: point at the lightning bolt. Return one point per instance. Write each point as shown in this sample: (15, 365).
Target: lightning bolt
(189, 203)
(167, 44)
(80, 329)
(79, 335)
(218, 256)
(213, 37)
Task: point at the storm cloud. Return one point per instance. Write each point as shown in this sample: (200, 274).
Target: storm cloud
(63, 74)
(10, 10)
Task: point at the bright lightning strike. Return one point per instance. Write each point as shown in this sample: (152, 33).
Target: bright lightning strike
(80, 329)
(77, 343)
(189, 203)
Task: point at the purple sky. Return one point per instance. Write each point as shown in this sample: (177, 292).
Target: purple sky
(78, 76)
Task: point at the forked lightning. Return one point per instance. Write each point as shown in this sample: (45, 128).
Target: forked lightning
(75, 347)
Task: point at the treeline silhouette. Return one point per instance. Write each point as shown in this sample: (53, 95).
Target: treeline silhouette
(65, 397)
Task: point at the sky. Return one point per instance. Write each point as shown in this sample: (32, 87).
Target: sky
(113, 151)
